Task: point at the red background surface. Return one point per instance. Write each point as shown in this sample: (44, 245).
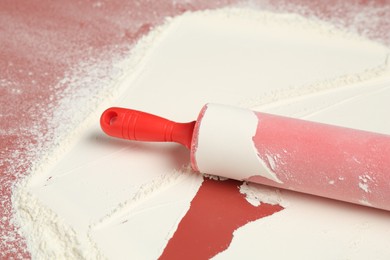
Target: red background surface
(41, 41)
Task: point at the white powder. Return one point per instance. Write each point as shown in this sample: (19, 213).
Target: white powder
(47, 234)
(221, 142)
(364, 183)
(94, 197)
(256, 194)
(144, 192)
(214, 177)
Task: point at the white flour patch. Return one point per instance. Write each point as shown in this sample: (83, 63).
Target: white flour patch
(256, 194)
(364, 183)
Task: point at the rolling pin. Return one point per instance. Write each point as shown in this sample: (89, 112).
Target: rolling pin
(314, 158)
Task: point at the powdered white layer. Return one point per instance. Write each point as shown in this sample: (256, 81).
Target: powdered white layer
(112, 198)
(256, 194)
(225, 145)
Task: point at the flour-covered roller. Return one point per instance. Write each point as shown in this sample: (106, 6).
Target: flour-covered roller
(329, 161)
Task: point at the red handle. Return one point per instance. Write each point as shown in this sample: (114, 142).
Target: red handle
(140, 126)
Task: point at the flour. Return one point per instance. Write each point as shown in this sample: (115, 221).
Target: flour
(37, 222)
(91, 197)
(256, 194)
(364, 183)
(144, 192)
(222, 142)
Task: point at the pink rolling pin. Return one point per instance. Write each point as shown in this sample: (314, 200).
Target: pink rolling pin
(329, 161)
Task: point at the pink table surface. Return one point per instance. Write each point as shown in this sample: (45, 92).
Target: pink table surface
(40, 42)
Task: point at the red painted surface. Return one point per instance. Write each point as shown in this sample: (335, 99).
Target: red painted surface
(217, 210)
(42, 40)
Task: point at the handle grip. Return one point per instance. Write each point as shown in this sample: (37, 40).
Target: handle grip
(140, 126)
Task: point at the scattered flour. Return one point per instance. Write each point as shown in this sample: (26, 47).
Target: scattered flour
(257, 194)
(48, 235)
(69, 208)
(214, 177)
(364, 183)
